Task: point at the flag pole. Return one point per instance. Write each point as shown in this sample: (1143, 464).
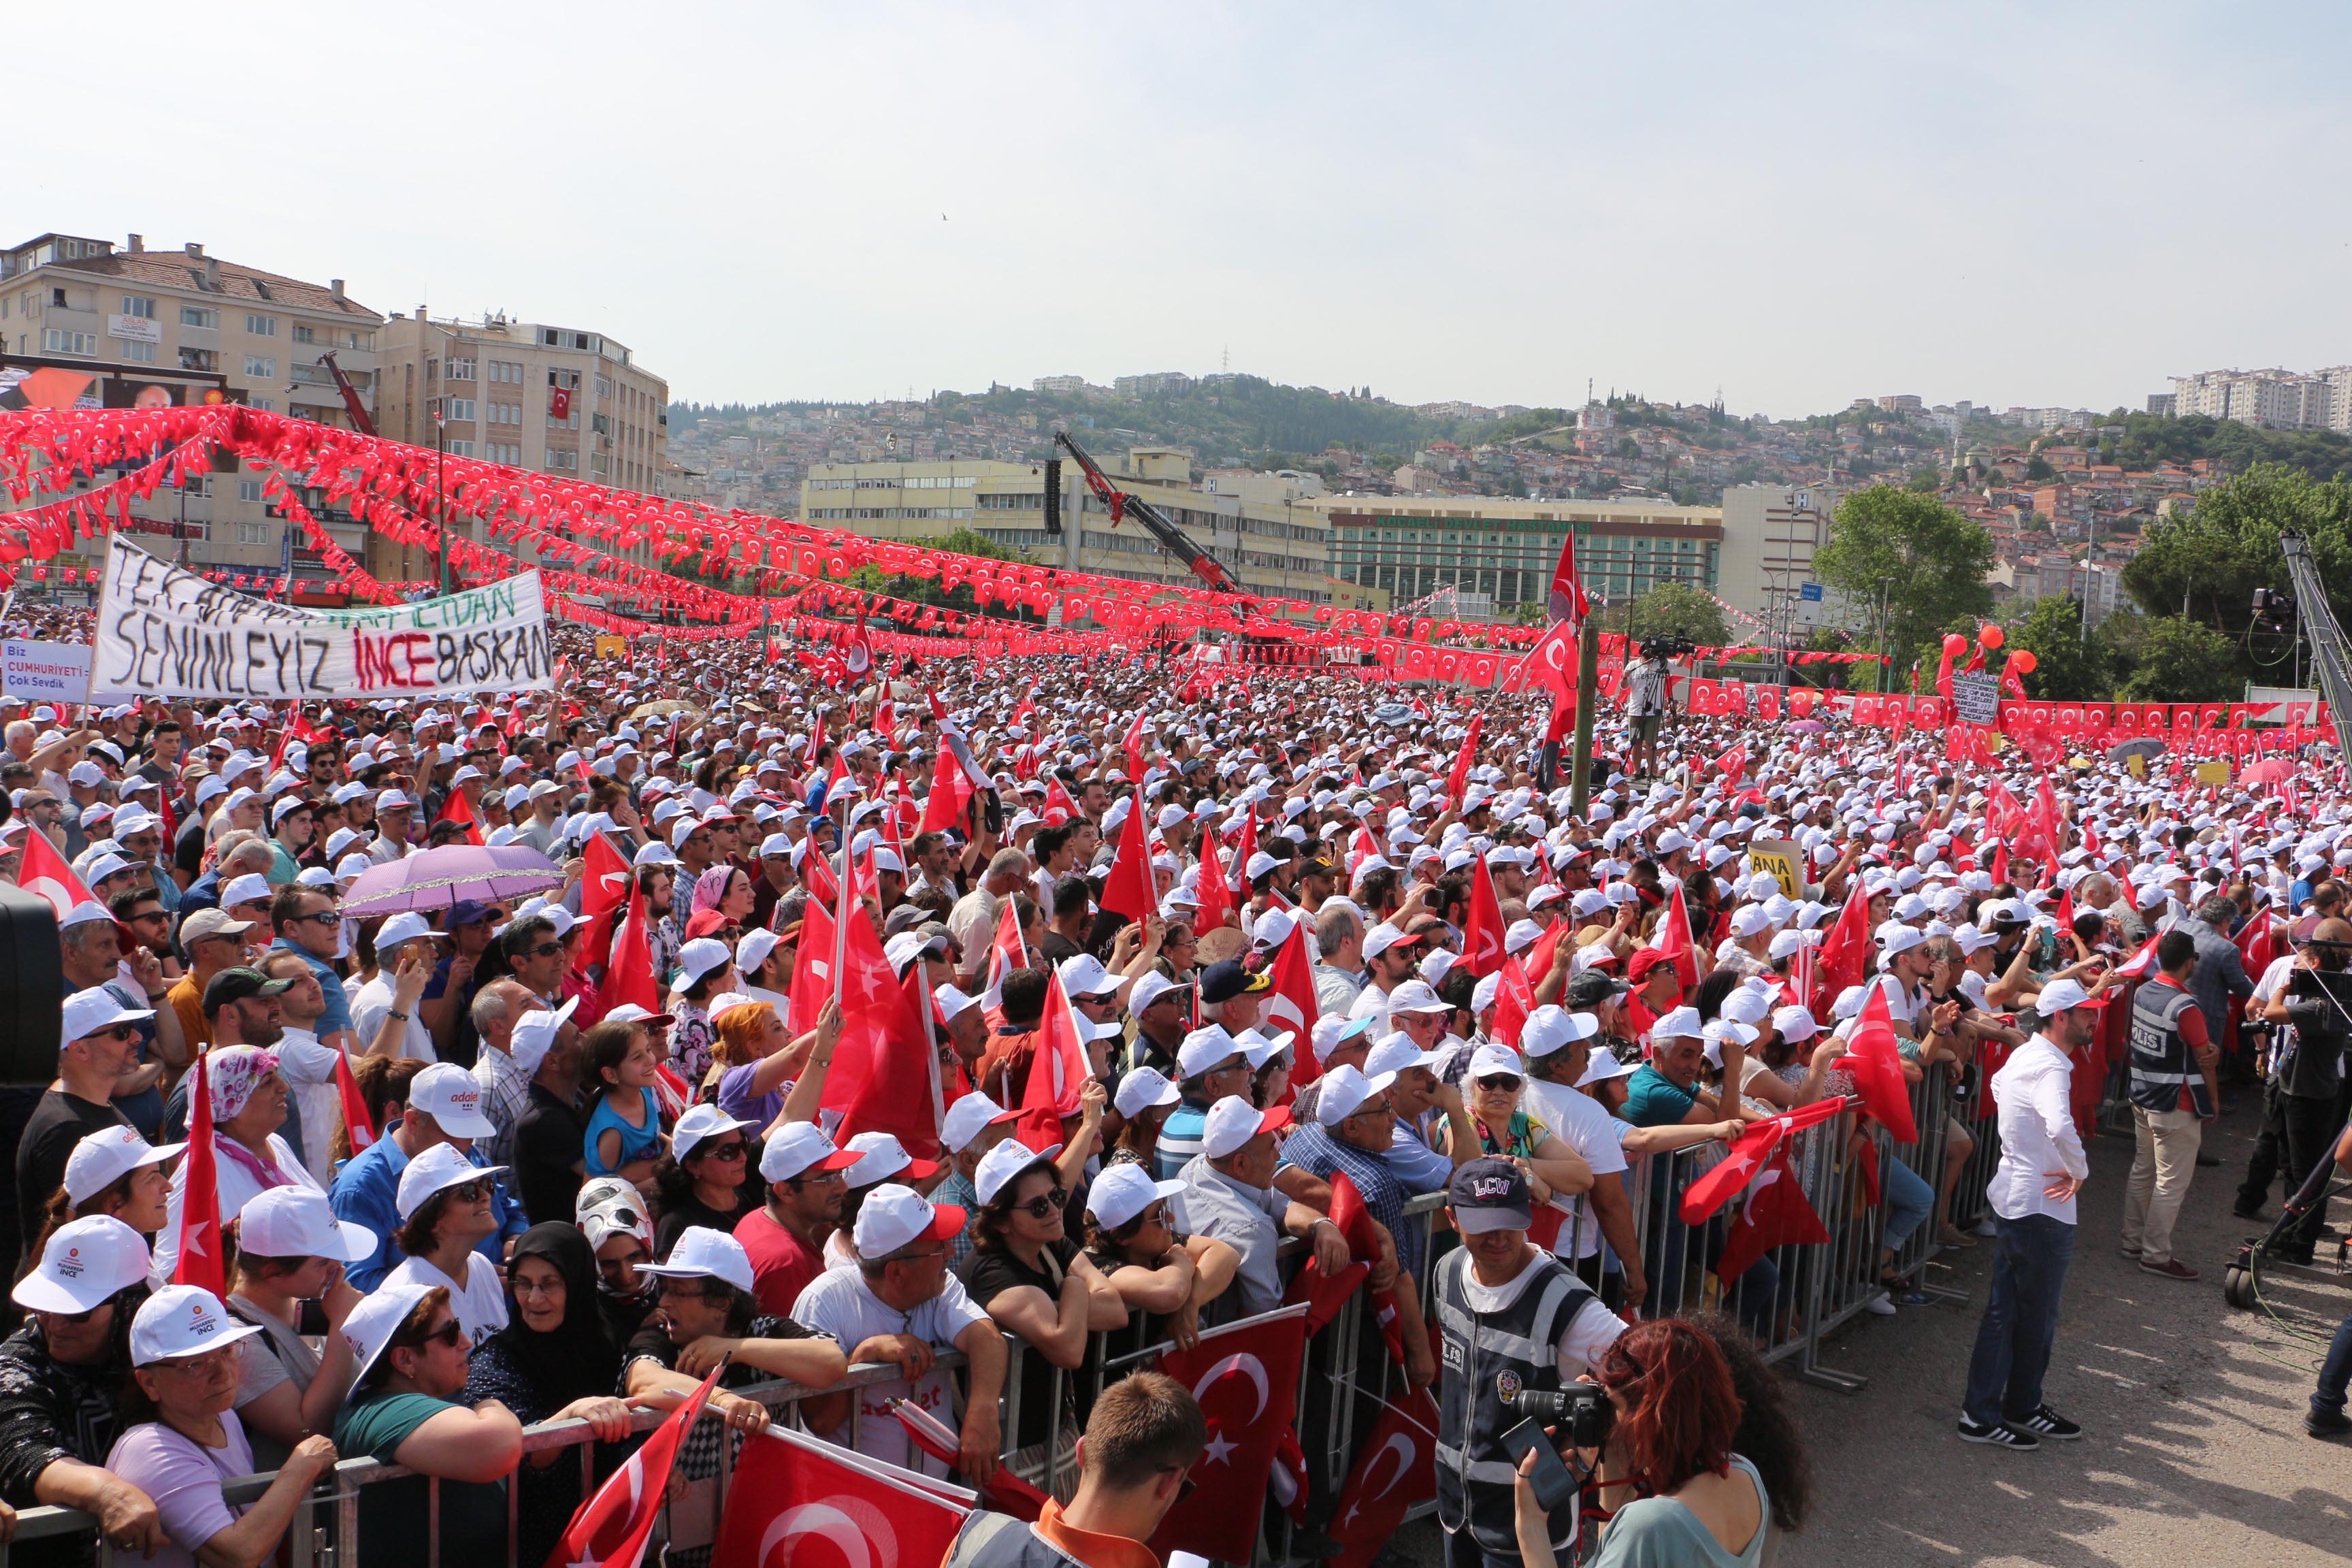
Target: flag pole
(1588, 693)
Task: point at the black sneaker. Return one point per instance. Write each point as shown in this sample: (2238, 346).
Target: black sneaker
(2047, 1422)
(2326, 1422)
(1998, 1435)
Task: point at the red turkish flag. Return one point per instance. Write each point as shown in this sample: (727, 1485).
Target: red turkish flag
(882, 1055)
(1458, 779)
(1566, 602)
(1549, 666)
(610, 1530)
(604, 885)
(1059, 806)
(950, 792)
(559, 403)
(630, 977)
(1245, 1377)
(1734, 763)
(1003, 1491)
(1673, 935)
(1775, 1214)
(1290, 1002)
(199, 1259)
(460, 810)
(356, 1120)
(1846, 952)
(44, 871)
(1060, 1068)
(1395, 1468)
(1748, 1157)
(1515, 999)
(1877, 1068)
(1127, 890)
(1482, 930)
(1215, 895)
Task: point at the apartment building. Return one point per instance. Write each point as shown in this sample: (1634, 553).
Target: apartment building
(1263, 528)
(555, 400)
(2275, 399)
(180, 326)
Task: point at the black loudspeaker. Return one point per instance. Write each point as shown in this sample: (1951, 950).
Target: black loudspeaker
(32, 976)
(1054, 496)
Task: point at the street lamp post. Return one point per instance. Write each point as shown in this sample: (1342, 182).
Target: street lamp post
(440, 505)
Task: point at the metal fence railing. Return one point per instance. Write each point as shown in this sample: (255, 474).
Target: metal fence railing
(1792, 1301)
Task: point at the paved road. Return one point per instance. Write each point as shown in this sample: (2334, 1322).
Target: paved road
(2194, 1453)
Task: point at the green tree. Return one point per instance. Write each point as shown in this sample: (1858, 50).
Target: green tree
(1926, 481)
(928, 591)
(2068, 668)
(1629, 448)
(2038, 468)
(1926, 559)
(2205, 561)
(1678, 610)
(2183, 661)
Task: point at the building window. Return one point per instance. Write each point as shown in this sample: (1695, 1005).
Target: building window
(143, 353)
(260, 326)
(55, 340)
(267, 404)
(249, 490)
(253, 534)
(199, 359)
(260, 367)
(303, 334)
(461, 448)
(199, 316)
(461, 408)
(461, 370)
(139, 305)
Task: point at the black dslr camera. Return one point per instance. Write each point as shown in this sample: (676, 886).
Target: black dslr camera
(1579, 1415)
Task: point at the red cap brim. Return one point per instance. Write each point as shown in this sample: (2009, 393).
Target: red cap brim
(921, 1170)
(947, 1221)
(839, 1160)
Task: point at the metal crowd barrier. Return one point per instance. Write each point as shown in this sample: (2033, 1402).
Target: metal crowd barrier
(1807, 1291)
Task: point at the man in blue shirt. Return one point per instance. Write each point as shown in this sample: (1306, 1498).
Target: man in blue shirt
(307, 925)
(1412, 1092)
(444, 1106)
(1214, 1065)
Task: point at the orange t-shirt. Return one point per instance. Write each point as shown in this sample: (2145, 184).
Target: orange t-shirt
(1088, 1547)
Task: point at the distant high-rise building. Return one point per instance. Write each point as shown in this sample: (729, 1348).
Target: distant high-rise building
(2275, 399)
(1060, 385)
(1159, 383)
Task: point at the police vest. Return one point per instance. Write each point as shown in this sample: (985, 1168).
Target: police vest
(1000, 1541)
(1489, 1357)
(2162, 1065)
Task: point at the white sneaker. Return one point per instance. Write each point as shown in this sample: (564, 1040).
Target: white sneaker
(1987, 1227)
(1880, 1305)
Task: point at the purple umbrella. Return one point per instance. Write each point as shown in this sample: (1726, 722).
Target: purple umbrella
(1809, 726)
(437, 878)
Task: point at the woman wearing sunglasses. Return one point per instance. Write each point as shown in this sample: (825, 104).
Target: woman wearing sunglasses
(185, 1440)
(701, 1180)
(1132, 1241)
(446, 1211)
(1552, 1168)
(1034, 1281)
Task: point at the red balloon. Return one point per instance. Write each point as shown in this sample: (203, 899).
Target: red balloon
(1992, 636)
(1955, 645)
(2022, 660)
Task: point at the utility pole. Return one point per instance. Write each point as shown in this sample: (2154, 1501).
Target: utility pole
(1588, 693)
(435, 408)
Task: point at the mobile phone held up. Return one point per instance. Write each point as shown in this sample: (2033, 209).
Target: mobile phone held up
(1555, 1488)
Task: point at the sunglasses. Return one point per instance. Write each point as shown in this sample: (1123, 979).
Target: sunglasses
(114, 1032)
(1500, 1083)
(451, 1333)
(734, 1151)
(470, 1192)
(1044, 1204)
(545, 950)
(324, 918)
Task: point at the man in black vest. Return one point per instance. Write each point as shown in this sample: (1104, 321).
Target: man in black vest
(1512, 1317)
(2172, 1061)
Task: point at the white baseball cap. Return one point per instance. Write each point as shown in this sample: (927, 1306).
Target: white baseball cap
(1002, 1163)
(1123, 1191)
(2060, 995)
(1797, 1025)
(699, 957)
(296, 1222)
(754, 949)
(1680, 1024)
(371, 1325)
(534, 1035)
(882, 1156)
(702, 1253)
(1550, 1028)
(1234, 1122)
(952, 1002)
(1396, 1052)
(85, 1012)
(453, 1097)
(700, 1122)
(1204, 1048)
(440, 1167)
(1343, 1091)
(1084, 975)
(1488, 1061)
(1142, 1089)
(251, 888)
(182, 1320)
(1415, 996)
(799, 1148)
(85, 1262)
(892, 1216)
(968, 1116)
(103, 1159)
(1151, 988)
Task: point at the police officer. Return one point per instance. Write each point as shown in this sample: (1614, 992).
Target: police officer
(1512, 1317)
(2172, 1060)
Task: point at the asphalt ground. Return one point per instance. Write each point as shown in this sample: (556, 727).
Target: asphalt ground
(2193, 1450)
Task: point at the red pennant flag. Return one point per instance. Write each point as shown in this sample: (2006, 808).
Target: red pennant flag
(1482, 930)
(357, 1123)
(44, 871)
(630, 977)
(1515, 999)
(1245, 1377)
(1127, 890)
(1877, 1068)
(199, 1259)
(1059, 1069)
(1395, 1468)
(1290, 1003)
(1568, 602)
(610, 1530)
(1134, 745)
(1006, 951)
(1458, 779)
(1215, 895)
(1674, 936)
(1775, 1214)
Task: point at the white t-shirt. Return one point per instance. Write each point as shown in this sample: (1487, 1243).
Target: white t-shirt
(368, 1008)
(1591, 1329)
(185, 1478)
(1577, 1119)
(1901, 1005)
(839, 1302)
(480, 1303)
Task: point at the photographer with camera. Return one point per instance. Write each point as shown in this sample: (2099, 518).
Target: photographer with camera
(2300, 1103)
(1648, 681)
(1518, 1328)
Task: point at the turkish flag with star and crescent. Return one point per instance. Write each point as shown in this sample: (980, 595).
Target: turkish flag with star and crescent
(1290, 1003)
(796, 1502)
(199, 1261)
(610, 1530)
(1247, 1378)
(1395, 1468)
(44, 871)
(1549, 666)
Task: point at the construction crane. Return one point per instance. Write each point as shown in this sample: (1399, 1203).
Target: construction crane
(2331, 663)
(351, 403)
(1169, 537)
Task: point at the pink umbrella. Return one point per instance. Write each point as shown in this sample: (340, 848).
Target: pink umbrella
(438, 879)
(2272, 770)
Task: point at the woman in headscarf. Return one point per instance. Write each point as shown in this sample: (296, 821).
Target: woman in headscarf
(551, 1361)
(248, 1156)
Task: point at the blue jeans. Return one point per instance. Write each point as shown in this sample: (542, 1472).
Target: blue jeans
(2334, 1372)
(1909, 1201)
(2020, 1319)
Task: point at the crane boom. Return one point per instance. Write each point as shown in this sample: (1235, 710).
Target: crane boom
(2329, 656)
(1166, 534)
(351, 405)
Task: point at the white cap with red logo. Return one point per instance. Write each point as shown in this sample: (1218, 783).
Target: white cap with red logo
(453, 1097)
(182, 1320)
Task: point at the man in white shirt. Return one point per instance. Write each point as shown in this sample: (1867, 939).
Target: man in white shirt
(377, 999)
(1558, 1048)
(2032, 1196)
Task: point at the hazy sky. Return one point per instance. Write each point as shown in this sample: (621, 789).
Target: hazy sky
(1797, 203)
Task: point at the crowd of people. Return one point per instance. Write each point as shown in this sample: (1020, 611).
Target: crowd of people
(565, 1207)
